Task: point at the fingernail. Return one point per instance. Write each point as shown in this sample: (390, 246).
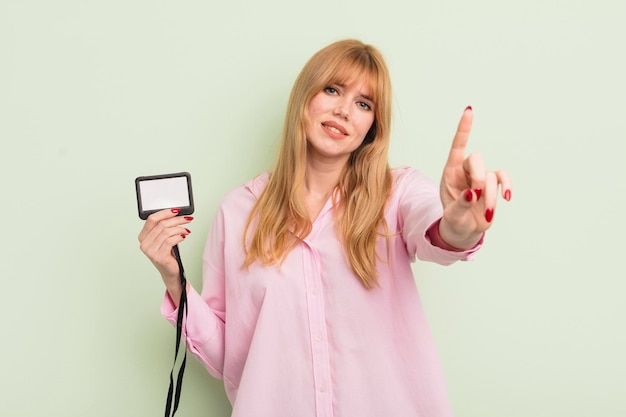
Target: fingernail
(489, 215)
(507, 195)
(183, 236)
(468, 195)
(188, 231)
(478, 192)
(188, 218)
(468, 108)
(175, 210)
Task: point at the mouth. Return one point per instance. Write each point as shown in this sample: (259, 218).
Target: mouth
(335, 128)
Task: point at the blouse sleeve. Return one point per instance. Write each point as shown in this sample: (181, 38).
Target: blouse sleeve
(205, 322)
(419, 208)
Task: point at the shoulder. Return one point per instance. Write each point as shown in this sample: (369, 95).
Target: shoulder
(411, 188)
(257, 184)
(406, 177)
(245, 195)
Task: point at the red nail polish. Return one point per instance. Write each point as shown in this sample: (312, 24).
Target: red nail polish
(507, 195)
(468, 195)
(478, 192)
(188, 218)
(489, 215)
(188, 231)
(175, 210)
(468, 108)
(183, 236)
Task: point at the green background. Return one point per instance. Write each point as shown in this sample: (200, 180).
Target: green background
(96, 93)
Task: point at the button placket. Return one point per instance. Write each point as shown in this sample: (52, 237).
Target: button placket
(317, 331)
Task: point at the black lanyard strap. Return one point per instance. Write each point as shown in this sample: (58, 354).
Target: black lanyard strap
(182, 309)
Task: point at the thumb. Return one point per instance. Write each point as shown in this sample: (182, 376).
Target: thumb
(457, 211)
(460, 217)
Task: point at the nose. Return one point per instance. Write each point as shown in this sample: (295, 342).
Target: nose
(341, 109)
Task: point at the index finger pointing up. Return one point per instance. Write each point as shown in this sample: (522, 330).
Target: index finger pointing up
(459, 143)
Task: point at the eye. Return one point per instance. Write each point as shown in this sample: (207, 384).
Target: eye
(330, 90)
(364, 105)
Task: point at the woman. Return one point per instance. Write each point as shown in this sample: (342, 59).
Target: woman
(309, 306)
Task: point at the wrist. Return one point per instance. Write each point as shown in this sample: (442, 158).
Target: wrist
(173, 288)
(441, 236)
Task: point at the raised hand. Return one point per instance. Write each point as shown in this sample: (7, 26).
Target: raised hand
(468, 191)
(161, 231)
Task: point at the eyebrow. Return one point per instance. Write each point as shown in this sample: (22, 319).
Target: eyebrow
(366, 97)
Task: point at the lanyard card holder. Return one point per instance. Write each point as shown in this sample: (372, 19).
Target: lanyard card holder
(155, 193)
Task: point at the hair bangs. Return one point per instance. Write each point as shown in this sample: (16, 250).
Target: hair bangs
(357, 66)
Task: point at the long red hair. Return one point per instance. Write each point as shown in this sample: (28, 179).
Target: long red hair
(279, 220)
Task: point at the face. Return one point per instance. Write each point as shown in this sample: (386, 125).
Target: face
(339, 117)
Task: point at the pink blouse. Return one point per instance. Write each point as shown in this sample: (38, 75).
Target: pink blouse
(306, 339)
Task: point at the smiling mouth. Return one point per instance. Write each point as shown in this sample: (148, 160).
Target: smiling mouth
(334, 129)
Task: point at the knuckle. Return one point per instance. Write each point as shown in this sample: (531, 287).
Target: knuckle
(144, 248)
(150, 222)
(475, 157)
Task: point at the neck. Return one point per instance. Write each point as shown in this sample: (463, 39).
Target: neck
(322, 178)
(319, 182)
